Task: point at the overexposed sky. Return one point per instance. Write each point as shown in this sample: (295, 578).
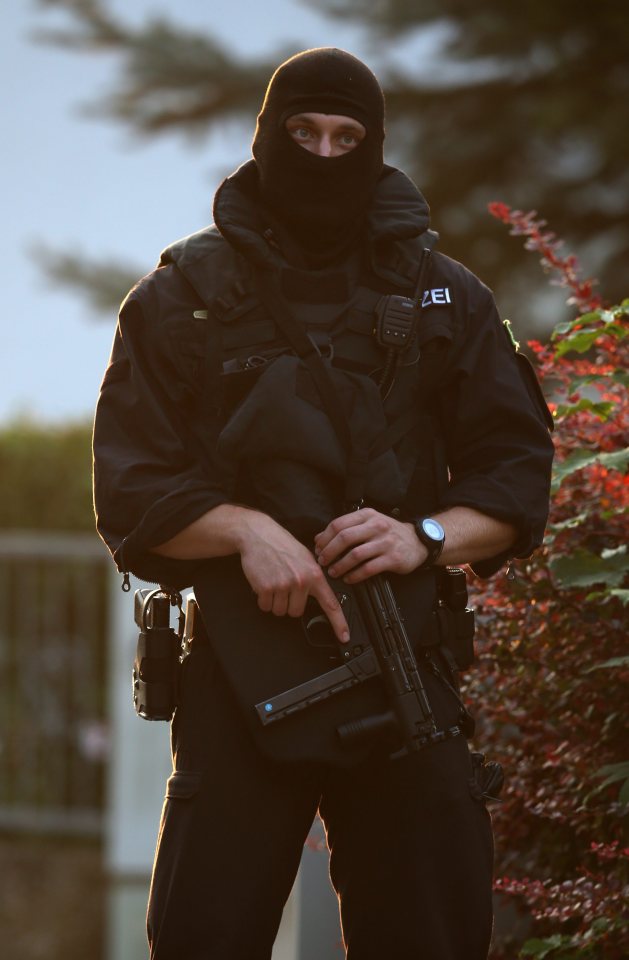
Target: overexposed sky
(85, 185)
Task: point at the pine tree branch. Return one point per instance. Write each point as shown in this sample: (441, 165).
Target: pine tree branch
(95, 29)
(102, 283)
(171, 78)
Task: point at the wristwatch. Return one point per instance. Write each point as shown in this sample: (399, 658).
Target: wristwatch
(433, 536)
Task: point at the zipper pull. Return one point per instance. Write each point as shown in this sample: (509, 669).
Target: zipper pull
(510, 571)
(126, 583)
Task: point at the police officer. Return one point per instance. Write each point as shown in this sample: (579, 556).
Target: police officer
(213, 467)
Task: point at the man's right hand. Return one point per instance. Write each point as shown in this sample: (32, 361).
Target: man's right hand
(283, 573)
(280, 570)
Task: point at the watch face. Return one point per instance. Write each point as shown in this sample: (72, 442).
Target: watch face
(433, 530)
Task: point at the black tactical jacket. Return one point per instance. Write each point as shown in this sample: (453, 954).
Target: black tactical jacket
(481, 438)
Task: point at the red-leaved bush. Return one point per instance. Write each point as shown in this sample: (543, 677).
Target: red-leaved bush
(551, 684)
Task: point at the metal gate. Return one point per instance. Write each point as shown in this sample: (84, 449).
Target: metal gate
(53, 681)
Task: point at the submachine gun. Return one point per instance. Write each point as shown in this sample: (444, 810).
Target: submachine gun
(380, 646)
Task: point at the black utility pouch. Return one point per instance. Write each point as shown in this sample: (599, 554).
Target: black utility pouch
(158, 656)
(487, 778)
(455, 618)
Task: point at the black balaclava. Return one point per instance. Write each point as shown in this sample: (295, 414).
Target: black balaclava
(320, 201)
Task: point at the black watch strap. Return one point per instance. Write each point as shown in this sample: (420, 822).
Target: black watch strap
(430, 532)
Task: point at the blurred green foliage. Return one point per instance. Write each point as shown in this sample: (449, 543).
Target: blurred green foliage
(46, 476)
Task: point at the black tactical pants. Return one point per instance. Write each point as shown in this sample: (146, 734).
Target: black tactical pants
(411, 849)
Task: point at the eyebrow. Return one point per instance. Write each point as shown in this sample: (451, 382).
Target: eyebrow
(350, 124)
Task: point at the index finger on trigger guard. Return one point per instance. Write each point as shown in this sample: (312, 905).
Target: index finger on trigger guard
(329, 603)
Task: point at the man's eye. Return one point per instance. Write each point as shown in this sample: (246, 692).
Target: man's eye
(302, 132)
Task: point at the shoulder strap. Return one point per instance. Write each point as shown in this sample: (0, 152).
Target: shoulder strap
(304, 347)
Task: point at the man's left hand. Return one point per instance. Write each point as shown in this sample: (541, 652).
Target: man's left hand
(360, 544)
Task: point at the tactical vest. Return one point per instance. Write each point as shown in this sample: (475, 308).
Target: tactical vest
(239, 339)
